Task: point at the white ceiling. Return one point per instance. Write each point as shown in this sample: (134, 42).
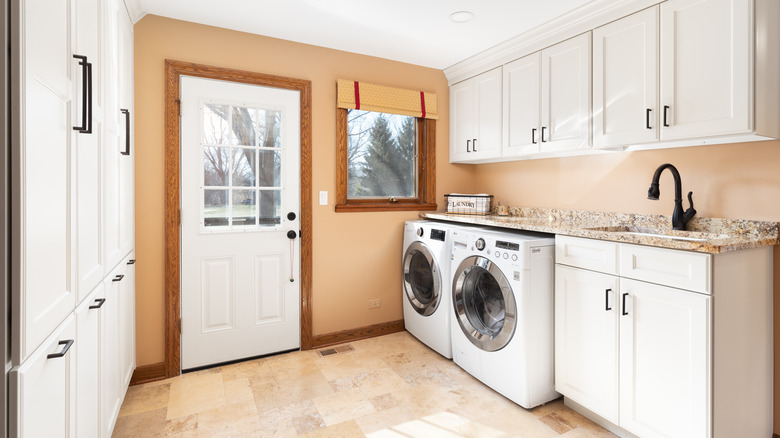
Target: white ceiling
(413, 31)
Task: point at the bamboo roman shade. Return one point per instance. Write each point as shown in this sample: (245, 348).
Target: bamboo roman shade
(379, 98)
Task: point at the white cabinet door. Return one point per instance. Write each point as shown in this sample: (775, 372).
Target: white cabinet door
(475, 118)
(566, 84)
(46, 270)
(625, 81)
(88, 364)
(109, 347)
(462, 109)
(665, 371)
(127, 323)
(115, 130)
(88, 150)
(522, 105)
(586, 339)
(43, 387)
(705, 92)
(127, 154)
(487, 136)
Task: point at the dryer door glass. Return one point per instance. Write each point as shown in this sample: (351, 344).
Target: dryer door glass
(484, 303)
(421, 279)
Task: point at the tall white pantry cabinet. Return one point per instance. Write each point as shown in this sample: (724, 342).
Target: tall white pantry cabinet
(72, 221)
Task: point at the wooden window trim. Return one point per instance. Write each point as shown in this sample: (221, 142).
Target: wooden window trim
(426, 172)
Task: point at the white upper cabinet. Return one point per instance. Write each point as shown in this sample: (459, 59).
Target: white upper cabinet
(89, 149)
(625, 81)
(475, 118)
(45, 215)
(522, 105)
(547, 100)
(705, 68)
(566, 96)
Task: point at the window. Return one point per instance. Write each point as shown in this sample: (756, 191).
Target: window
(386, 155)
(242, 167)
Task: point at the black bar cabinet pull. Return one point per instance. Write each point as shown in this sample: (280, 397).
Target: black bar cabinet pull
(647, 119)
(624, 304)
(533, 135)
(67, 344)
(606, 299)
(127, 131)
(118, 277)
(474, 145)
(666, 109)
(131, 262)
(99, 303)
(543, 128)
(84, 93)
(89, 100)
(468, 145)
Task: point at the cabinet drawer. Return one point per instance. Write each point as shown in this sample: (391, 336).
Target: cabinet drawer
(680, 269)
(595, 255)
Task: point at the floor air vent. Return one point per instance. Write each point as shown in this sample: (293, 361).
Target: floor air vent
(335, 350)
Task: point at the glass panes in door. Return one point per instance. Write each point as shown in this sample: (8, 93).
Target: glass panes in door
(242, 155)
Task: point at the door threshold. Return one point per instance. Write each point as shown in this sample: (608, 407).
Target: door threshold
(231, 362)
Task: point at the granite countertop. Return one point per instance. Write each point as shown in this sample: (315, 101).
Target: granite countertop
(708, 235)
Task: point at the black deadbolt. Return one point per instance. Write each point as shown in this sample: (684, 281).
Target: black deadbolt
(291, 234)
(290, 216)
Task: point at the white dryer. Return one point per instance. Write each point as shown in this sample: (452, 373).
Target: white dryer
(502, 327)
(426, 283)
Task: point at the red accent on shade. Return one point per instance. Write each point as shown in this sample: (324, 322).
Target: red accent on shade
(357, 95)
(422, 103)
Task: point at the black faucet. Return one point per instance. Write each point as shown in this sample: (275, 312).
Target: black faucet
(679, 219)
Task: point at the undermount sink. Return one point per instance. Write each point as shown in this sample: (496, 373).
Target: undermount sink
(693, 236)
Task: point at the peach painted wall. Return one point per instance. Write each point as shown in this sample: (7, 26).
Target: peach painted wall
(357, 256)
(731, 181)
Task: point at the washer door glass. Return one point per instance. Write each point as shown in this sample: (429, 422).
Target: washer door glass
(422, 282)
(484, 303)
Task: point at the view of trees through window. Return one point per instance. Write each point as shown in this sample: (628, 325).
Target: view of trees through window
(381, 155)
(242, 165)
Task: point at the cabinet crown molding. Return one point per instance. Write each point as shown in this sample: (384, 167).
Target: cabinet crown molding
(583, 19)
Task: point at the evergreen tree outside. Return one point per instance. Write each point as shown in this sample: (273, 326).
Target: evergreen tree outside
(381, 155)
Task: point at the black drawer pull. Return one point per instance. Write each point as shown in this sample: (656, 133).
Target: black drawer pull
(543, 128)
(101, 301)
(533, 135)
(468, 145)
(647, 119)
(666, 110)
(624, 304)
(474, 145)
(119, 277)
(131, 262)
(67, 344)
(127, 131)
(606, 299)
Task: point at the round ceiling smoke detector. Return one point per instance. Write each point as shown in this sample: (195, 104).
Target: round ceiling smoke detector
(461, 16)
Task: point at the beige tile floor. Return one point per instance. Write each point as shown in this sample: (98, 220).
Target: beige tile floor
(390, 386)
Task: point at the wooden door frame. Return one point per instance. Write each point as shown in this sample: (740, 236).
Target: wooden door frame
(173, 72)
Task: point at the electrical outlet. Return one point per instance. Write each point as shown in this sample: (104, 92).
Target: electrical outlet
(374, 304)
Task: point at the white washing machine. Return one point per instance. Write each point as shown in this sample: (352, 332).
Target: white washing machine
(502, 298)
(426, 283)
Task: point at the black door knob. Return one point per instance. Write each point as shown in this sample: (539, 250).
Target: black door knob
(291, 216)
(291, 234)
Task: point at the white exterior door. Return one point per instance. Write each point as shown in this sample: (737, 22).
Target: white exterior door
(705, 92)
(665, 354)
(625, 80)
(240, 180)
(586, 339)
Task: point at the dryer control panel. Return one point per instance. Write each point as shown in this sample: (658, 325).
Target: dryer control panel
(438, 234)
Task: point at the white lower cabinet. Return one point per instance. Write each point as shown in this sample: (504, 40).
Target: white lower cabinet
(43, 387)
(126, 330)
(656, 360)
(664, 361)
(586, 346)
(88, 318)
(112, 393)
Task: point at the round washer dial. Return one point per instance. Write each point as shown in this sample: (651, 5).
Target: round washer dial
(480, 244)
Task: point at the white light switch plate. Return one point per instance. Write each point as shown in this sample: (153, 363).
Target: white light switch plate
(323, 198)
